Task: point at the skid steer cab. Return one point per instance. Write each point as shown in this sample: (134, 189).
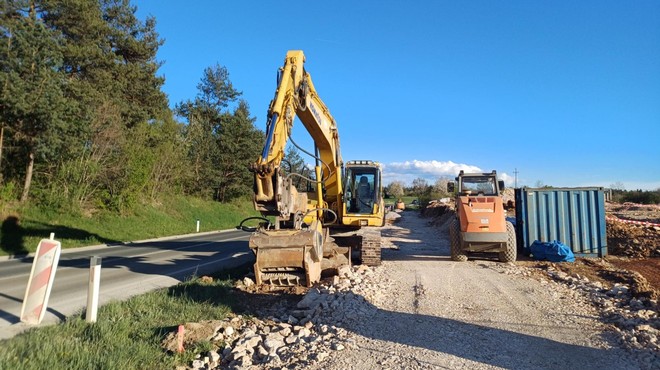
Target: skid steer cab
(480, 225)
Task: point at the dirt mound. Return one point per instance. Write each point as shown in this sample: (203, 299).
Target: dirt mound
(632, 240)
(645, 267)
(440, 215)
(392, 216)
(509, 194)
(633, 211)
(436, 209)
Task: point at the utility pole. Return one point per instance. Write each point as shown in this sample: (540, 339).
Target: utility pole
(515, 176)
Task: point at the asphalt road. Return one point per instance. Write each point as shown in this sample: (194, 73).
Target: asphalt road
(127, 270)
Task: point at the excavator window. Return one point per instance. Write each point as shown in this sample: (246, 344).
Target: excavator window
(361, 193)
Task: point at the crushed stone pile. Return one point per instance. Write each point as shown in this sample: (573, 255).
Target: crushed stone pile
(633, 314)
(509, 195)
(634, 211)
(631, 240)
(308, 334)
(392, 216)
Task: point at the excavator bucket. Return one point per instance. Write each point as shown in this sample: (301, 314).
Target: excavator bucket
(287, 257)
(294, 257)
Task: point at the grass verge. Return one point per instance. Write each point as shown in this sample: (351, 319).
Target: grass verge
(128, 334)
(23, 228)
(407, 200)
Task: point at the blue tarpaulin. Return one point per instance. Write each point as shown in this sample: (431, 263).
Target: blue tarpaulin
(553, 251)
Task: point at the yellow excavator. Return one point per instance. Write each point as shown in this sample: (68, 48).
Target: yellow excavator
(297, 246)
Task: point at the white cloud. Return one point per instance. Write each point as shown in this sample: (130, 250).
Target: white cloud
(436, 168)
(431, 171)
(509, 181)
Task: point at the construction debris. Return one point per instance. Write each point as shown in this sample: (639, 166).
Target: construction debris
(632, 240)
(295, 338)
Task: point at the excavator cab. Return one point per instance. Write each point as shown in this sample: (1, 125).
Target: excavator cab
(362, 188)
(363, 200)
(360, 194)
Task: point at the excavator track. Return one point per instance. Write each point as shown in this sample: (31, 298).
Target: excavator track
(365, 244)
(370, 249)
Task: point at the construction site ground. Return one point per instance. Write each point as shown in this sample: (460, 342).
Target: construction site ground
(633, 240)
(420, 310)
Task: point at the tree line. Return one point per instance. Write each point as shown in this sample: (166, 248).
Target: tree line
(419, 188)
(84, 122)
(636, 196)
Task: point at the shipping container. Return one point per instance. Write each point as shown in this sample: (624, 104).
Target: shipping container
(573, 216)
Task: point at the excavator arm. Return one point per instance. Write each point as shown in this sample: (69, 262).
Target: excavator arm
(296, 96)
(294, 249)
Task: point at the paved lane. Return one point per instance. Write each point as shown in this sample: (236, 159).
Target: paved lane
(127, 270)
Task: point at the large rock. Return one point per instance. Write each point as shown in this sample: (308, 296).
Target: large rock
(273, 342)
(310, 300)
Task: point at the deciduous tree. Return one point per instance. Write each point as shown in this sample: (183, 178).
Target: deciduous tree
(395, 189)
(420, 187)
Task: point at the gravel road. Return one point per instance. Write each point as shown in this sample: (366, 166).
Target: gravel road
(433, 313)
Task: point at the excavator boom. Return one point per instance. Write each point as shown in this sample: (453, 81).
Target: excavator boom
(298, 246)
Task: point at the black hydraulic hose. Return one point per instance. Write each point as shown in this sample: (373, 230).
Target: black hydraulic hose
(252, 229)
(323, 209)
(269, 136)
(315, 157)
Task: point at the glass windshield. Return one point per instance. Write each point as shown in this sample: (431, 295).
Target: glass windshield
(361, 189)
(478, 185)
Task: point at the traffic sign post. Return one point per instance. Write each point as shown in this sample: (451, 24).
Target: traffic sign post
(41, 281)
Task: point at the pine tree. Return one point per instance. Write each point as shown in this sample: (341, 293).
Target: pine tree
(109, 59)
(32, 102)
(221, 145)
(240, 142)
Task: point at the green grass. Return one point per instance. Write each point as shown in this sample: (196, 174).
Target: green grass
(406, 199)
(127, 335)
(23, 228)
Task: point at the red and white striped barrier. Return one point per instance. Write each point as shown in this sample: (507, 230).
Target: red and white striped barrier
(644, 223)
(41, 281)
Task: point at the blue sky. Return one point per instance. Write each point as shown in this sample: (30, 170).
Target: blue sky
(566, 92)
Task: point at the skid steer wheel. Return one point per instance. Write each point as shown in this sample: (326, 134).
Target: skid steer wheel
(511, 252)
(455, 242)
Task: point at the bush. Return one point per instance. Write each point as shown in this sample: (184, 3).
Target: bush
(8, 192)
(641, 197)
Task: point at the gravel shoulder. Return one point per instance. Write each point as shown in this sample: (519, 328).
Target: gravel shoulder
(436, 313)
(420, 310)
